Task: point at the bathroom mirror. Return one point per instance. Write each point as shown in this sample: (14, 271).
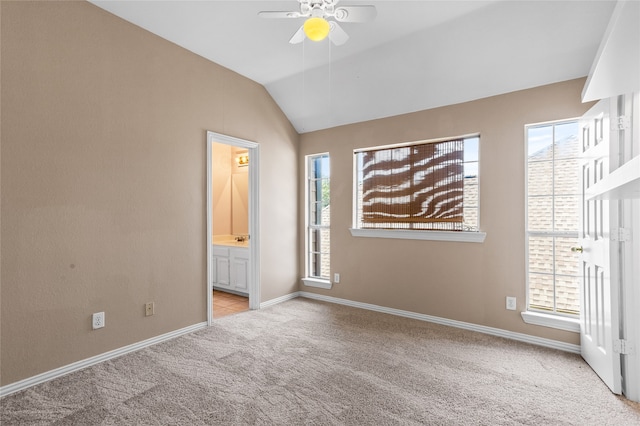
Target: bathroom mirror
(240, 203)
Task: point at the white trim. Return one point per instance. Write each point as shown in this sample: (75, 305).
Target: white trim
(209, 250)
(412, 234)
(106, 356)
(307, 225)
(615, 69)
(455, 236)
(280, 299)
(623, 182)
(317, 282)
(254, 225)
(540, 341)
(553, 321)
(531, 319)
(631, 301)
(254, 219)
(77, 366)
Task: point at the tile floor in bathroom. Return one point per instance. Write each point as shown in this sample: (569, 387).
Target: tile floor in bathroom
(226, 304)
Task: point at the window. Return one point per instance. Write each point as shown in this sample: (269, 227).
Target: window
(318, 221)
(422, 186)
(552, 218)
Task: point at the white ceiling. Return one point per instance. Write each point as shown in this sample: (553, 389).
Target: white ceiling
(415, 55)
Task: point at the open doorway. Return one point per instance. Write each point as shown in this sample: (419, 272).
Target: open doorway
(232, 225)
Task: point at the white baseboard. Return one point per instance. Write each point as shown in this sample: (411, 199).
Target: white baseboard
(79, 365)
(279, 299)
(540, 341)
(76, 366)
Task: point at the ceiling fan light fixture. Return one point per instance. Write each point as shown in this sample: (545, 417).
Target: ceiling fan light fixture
(316, 28)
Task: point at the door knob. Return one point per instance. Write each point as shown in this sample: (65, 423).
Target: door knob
(576, 249)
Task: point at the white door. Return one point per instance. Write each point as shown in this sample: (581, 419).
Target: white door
(599, 320)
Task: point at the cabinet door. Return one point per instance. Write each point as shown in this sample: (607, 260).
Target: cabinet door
(222, 278)
(240, 274)
(240, 269)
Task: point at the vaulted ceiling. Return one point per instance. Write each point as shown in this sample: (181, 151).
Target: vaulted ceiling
(415, 55)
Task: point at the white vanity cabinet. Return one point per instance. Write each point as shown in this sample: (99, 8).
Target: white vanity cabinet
(231, 268)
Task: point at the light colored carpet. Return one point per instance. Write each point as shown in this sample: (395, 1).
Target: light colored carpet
(308, 362)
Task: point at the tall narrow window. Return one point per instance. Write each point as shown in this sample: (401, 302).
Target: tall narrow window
(318, 218)
(424, 186)
(552, 218)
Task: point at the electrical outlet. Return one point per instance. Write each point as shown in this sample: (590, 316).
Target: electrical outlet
(336, 278)
(511, 303)
(148, 309)
(98, 320)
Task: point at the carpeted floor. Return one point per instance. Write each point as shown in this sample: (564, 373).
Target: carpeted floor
(307, 362)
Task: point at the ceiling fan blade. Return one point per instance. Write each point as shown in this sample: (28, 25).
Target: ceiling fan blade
(337, 34)
(271, 15)
(355, 13)
(298, 37)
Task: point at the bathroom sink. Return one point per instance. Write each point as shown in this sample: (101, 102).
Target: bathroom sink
(229, 241)
(232, 243)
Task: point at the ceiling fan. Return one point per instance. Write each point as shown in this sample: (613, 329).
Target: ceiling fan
(322, 19)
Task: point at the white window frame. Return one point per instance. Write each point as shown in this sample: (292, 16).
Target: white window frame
(427, 235)
(530, 316)
(308, 280)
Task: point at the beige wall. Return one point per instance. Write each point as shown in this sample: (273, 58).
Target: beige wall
(103, 168)
(460, 281)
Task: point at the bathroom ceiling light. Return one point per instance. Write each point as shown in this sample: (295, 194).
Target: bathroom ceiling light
(242, 160)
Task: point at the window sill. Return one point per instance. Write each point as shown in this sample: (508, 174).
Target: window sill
(455, 236)
(553, 321)
(317, 282)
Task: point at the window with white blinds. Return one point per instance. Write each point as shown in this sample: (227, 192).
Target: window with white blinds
(430, 186)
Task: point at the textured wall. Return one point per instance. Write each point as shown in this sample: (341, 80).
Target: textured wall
(103, 168)
(461, 281)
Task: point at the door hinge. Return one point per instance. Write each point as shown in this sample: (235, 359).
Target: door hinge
(623, 347)
(621, 234)
(622, 122)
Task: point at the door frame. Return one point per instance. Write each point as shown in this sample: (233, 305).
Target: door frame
(629, 144)
(254, 222)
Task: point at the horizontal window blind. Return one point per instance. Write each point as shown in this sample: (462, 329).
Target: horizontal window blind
(416, 184)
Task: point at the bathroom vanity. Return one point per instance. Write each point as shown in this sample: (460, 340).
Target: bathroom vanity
(230, 269)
